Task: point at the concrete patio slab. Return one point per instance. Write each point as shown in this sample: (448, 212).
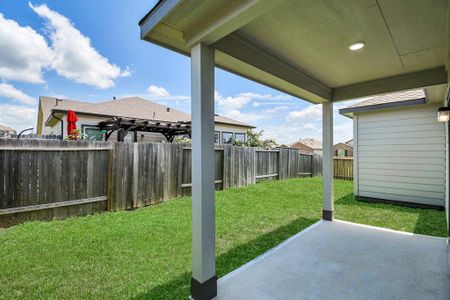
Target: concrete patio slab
(341, 260)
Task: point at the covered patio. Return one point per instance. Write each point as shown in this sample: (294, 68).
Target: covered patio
(341, 260)
(322, 52)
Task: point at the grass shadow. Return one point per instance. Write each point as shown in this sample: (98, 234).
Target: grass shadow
(178, 288)
(426, 221)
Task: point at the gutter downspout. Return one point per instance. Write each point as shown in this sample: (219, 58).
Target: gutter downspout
(62, 124)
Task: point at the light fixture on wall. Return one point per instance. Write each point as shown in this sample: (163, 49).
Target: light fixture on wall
(443, 114)
(357, 46)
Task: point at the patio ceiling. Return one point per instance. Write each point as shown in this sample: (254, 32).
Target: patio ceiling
(301, 46)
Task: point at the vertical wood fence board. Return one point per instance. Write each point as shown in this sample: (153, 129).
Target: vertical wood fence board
(34, 172)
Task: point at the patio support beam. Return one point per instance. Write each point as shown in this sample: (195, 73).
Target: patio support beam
(327, 153)
(204, 280)
(228, 19)
(421, 79)
(240, 48)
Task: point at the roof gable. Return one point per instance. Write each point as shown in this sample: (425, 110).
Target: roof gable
(310, 143)
(132, 107)
(391, 100)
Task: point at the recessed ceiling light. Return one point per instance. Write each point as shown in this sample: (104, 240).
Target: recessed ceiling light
(357, 46)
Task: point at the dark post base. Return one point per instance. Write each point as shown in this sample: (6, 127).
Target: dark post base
(328, 215)
(204, 291)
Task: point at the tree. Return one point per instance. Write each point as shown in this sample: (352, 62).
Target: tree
(76, 135)
(254, 139)
(182, 140)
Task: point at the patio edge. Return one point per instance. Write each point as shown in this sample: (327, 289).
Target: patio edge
(267, 253)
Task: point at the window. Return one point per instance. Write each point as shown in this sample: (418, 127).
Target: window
(217, 137)
(227, 137)
(93, 133)
(240, 137)
(341, 153)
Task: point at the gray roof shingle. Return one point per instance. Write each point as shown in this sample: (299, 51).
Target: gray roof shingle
(133, 107)
(410, 97)
(310, 142)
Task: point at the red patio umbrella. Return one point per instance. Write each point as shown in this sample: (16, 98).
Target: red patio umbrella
(72, 125)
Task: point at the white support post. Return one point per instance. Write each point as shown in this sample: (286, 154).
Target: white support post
(327, 131)
(204, 280)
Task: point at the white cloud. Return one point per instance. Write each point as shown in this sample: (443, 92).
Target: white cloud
(311, 112)
(24, 53)
(244, 117)
(9, 91)
(126, 73)
(310, 126)
(240, 100)
(265, 96)
(17, 117)
(277, 109)
(232, 103)
(74, 56)
(344, 131)
(287, 133)
(157, 91)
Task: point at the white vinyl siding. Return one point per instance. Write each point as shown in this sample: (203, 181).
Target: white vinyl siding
(401, 155)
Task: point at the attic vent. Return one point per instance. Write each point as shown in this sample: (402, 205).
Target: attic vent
(168, 109)
(180, 12)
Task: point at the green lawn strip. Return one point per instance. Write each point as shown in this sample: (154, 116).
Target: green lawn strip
(146, 253)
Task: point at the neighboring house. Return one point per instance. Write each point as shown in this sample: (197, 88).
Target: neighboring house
(52, 114)
(308, 145)
(343, 149)
(6, 131)
(399, 149)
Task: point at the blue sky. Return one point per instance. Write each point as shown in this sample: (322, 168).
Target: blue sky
(91, 50)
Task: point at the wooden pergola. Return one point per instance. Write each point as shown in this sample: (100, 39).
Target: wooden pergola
(124, 125)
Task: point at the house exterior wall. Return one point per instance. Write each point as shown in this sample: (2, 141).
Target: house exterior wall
(226, 128)
(447, 175)
(85, 121)
(317, 151)
(401, 155)
(302, 148)
(341, 147)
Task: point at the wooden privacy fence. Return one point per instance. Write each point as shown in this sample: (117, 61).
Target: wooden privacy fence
(343, 168)
(44, 180)
(148, 173)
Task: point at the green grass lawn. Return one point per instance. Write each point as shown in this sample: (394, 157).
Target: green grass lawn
(145, 254)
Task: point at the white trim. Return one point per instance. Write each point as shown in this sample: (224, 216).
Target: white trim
(268, 252)
(355, 156)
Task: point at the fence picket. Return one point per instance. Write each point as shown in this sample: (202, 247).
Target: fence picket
(36, 173)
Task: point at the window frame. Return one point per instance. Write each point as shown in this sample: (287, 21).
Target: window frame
(223, 139)
(240, 133)
(87, 126)
(217, 134)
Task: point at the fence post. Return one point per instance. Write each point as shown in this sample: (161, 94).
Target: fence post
(255, 162)
(135, 174)
(109, 187)
(224, 172)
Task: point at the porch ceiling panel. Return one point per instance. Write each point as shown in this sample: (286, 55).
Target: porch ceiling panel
(301, 46)
(314, 36)
(401, 36)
